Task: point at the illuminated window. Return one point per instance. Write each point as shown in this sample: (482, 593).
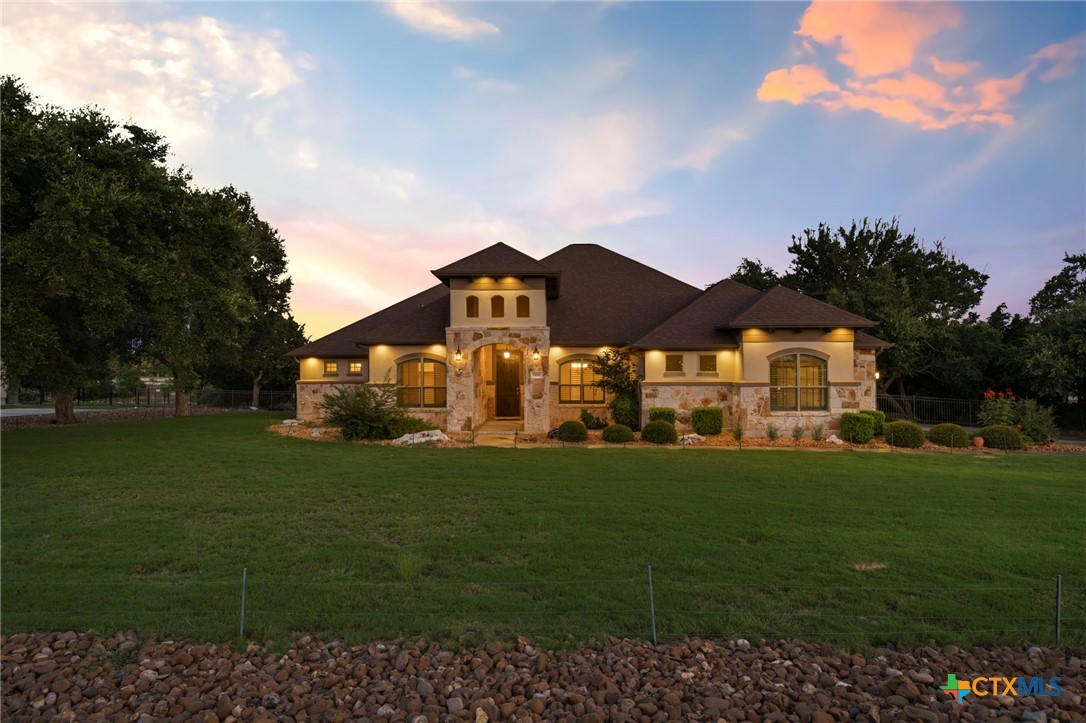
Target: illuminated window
(331, 367)
(473, 307)
(707, 363)
(674, 363)
(497, 307)
(523, 307)
(420, 382)
(354, 366)
(798, 382)
(577, 383)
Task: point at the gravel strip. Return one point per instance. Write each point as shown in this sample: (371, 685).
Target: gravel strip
(72, 676)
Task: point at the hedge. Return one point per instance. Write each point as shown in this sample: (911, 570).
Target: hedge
(857, 428)
(660, 432)
(1001, 436)
(878, 423)
(666, 414)
(904, 434)
(707, 420)
(948, 435)
(573, 431)
(618, 434)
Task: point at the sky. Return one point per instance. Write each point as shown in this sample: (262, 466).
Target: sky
(387, 139)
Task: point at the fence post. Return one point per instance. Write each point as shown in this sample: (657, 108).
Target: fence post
(1059, 600)
(652, 607)
(244, 575)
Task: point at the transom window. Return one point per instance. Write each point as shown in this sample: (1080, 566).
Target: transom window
(798, 382)
(577, 383)
(473, 307)
(497, 306)
(331, 367)
(524, 309)
(354, 366)
(673, 363)
(420, 382)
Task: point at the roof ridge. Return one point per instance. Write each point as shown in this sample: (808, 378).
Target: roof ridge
(626, 258)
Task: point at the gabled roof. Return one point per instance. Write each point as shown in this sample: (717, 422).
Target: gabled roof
(423, 325)
(780, 307)
(608, 299)
(863, 340)
(697, 325)
(497, 260)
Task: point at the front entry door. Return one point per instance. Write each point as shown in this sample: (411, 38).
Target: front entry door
(507, 386)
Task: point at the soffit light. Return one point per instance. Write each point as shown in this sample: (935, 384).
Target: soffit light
(505, 354)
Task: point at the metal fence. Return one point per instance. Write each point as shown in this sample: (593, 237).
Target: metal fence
(164, 397)
(936, 410)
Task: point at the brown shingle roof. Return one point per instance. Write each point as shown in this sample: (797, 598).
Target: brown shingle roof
(864, 340)
(780, 307)
(499, 259)
(697, 325)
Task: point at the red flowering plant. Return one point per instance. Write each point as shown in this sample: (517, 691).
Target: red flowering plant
(997, 408)
(1035, 421)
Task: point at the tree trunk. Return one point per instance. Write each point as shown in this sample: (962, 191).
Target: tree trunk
(181, 404)
(258, 382)
(64, 408)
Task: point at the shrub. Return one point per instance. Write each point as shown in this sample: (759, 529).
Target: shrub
(738, 432)
(878, 421)
(857, 428)
(666, 414)
(707, 420)
(797, 432)
(618, 434)
(997, 408)
(364, 412)
(624, 410)
(817, 432)
(904, 434)
(1036, 422)
(772, 432)
(1001, 436)
(660, 432)
(591, 421)
(948, 435)
(572, 431)
(410, 425)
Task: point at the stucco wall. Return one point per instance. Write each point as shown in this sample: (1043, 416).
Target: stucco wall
(383, 358)
(727, 369)
(564, 412)
(312, 369)
(508, 288)
(759, 346)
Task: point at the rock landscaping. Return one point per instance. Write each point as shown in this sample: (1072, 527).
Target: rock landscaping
(75, 676)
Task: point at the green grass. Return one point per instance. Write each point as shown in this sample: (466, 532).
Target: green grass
(148, 525)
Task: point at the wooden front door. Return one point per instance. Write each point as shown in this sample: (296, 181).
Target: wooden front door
(507, 386)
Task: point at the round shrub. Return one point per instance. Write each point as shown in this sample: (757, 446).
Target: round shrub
(660, 432)
(948, 435)
(573, 431)
(665, 414)
(878, 421)
(904, 434)
(618, 434)
(707, 420)
(857, 428)
(1001, 436)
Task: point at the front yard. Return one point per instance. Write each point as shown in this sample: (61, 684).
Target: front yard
(148, 525)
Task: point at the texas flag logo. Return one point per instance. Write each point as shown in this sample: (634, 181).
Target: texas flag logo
(957, 688)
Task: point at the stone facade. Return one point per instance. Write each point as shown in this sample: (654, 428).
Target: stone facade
(565, 412)
(311, 394)
(684, 397)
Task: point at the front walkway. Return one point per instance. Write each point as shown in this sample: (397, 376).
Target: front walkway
(498, 433)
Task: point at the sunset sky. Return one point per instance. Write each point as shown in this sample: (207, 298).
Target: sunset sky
(385, 140)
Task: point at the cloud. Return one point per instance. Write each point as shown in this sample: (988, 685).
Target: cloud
(305, 155)
(440, 19)
(470, 75)
(878, 46)
(172, 76)
(711, 145)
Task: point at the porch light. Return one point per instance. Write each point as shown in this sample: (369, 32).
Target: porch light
(535, 354)
(458, 356)
(876, 376)
(505, 355)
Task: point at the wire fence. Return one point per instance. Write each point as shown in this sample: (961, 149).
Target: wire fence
(964, 412)
(649, 607)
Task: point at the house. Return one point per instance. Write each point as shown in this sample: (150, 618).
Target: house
(504, 336)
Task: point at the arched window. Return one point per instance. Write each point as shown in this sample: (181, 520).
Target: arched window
(798, 383)
(497, 306)
(473, 307)
(577, 382)
(524, 308)
(420, 382)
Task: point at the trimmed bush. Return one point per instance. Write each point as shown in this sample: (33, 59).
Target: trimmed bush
(572, 431)
(660, 432)
(857, 428)
(618, 434)
(665, 414)
(1001, 436)
(948, 435)
(625, 410)
(904, 434)
(878, 423)
(772, 432)
(707, 420)
(591, 421)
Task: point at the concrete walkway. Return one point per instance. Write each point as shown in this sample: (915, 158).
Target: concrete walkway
(498, 433)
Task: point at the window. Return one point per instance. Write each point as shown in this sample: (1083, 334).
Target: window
(674, 363)
(473, 307)
(331, 367)
(354, 366)
(420, 383)
(797, 382)
(497, 307)
(523, 307)
(707, 363)
(577, 383)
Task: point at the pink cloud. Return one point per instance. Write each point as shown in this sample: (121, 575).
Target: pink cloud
(795, 85)
(953, 68)
(1063, 57)
(997, 93)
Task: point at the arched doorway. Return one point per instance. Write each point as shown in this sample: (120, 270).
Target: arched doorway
(501, 366)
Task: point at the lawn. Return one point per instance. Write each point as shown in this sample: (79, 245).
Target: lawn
(148, 525)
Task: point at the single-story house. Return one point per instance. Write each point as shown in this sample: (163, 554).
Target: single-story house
(504, 336)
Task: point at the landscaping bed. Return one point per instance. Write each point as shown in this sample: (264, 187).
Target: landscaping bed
(64, 676)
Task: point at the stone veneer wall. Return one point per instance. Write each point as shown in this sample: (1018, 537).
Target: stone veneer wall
(466, 401)
(564, 412)
(310, 395)
(684, 397)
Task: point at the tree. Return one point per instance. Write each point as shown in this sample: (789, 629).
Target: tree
(619, 378)
(1056, 347)
(755, 274)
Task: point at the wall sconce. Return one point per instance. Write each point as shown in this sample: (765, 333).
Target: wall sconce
(876, 376)
(535, 354)
(458, 356)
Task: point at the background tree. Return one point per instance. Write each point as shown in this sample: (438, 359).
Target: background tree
(755, 274)
(619, 379)
(1055, 348)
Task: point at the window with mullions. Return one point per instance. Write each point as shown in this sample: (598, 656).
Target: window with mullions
(797, 383)
(577, 383)
(420, 382)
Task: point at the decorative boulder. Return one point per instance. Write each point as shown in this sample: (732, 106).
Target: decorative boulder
(430, 435)
(691, 439)
(834, 439)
